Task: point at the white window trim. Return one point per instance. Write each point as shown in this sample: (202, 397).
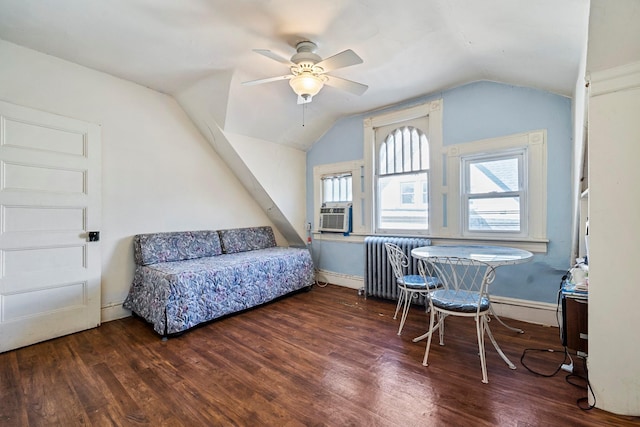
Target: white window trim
(445, 222)
(431, 109)
(355, 168)
(521, 155)
(535, 144)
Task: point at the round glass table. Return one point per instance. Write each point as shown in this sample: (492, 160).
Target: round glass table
(494, 256)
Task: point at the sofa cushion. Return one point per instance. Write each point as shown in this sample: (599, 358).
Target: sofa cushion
(246, 239)
(153, 248)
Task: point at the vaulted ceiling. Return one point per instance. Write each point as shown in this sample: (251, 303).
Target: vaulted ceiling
(410, 48)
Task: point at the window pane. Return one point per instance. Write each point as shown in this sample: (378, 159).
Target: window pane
(398, 152)
(327, 185)
(390, 156)
(494, 214)
(406, 142)
(425, 192)
(382, 162)
(424, 152)
(343, 188)
(392, 214)
(415, 149)
(407, 192)
(337, 188)
(493, 176)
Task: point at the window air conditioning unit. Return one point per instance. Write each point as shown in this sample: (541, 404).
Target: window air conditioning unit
(335, 218)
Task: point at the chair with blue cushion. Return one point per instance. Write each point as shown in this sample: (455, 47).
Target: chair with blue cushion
(409, 286)
(464, 292)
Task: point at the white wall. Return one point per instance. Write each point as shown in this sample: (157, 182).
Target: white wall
(159, 174)
(579, 117)
(614, 206)
(201, 102)
(282, 172)
(614, 203)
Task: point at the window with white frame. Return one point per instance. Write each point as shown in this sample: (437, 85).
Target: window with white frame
(398, 169)
(496, 189)
(339, 183)
(403, 162)
(485, 190)
(337, 188)
(494, 193)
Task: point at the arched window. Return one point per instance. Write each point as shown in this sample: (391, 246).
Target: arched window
(405, 149)
(402, 179)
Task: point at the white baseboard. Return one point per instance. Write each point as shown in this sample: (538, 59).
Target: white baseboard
(113, 311)
(346, 280)
(540, 313)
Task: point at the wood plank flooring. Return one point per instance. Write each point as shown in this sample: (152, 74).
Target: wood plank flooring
(327, 357)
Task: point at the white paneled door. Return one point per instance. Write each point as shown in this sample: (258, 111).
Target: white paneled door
(49, 202)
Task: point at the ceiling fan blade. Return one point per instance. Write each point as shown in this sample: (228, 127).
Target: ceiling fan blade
(274, 56)
(267, 80)
(343, 59)
(346, 85)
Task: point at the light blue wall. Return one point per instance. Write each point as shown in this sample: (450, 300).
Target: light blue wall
(472, 112)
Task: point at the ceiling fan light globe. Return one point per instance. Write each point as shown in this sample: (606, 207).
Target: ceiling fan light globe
(306, 85)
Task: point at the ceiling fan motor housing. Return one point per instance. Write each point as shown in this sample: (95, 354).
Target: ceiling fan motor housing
(306, 54)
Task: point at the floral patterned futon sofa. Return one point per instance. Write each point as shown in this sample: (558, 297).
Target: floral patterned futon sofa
(186, 278)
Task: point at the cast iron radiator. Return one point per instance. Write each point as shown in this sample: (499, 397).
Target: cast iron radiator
(379, 280)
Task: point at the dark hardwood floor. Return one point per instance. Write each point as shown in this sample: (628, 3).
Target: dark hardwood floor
(325, 357)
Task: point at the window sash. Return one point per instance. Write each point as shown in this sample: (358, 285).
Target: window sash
(402, 160)
(500, 218)
(392, 214)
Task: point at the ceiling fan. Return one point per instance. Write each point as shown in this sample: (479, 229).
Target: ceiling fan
(309, 71)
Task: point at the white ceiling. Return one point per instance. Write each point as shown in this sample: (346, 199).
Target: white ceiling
(409, 47)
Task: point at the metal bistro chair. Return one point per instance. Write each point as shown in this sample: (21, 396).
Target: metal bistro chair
(464, 293)
(409, 286)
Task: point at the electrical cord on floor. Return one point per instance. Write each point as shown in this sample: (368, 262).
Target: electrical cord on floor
(544, 350)
(316, 272)
(549, 350)
(560, 327)
(571, 376)
(585, 382)
(319, 283)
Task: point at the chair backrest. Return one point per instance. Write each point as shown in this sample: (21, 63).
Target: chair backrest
(397, 258)
(459, 274)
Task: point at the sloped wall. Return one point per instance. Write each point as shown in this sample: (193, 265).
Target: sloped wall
(159, 173)
(271, 173)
